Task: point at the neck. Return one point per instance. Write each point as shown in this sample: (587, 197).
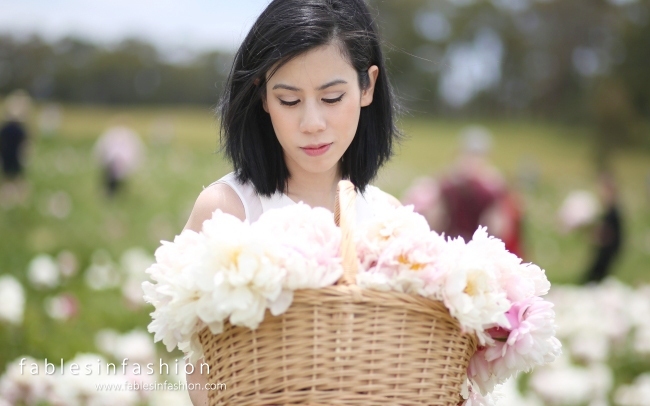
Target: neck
(314, 189)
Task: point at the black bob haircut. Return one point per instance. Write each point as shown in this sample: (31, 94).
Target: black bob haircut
(284, 30)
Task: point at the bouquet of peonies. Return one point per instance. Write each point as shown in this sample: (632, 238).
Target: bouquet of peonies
(235, 271)
(487, 289)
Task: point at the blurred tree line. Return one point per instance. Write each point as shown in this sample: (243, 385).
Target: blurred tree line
(72, 70)
(585, 61)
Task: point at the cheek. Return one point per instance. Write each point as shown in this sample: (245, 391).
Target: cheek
(281, 121)
(347, 117)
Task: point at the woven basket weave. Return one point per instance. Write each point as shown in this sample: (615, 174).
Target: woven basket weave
(342, 345)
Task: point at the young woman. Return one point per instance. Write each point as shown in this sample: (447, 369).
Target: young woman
(307, 103)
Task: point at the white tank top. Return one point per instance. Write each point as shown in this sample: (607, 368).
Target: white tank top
(255, 205)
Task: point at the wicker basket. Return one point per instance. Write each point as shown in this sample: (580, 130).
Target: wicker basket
(342, 345)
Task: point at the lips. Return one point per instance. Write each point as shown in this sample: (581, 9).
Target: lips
(316, 149)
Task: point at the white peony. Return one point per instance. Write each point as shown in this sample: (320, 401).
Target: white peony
(12, 300)
(520, 281)
(175, 295)
(226, 272)
(241, 269)
(310, 244)
(471, 289)
(388, 224)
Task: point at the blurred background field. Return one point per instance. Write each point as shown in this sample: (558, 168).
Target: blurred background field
(561, 86)
(67, 209)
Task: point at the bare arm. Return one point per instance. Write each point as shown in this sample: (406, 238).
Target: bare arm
(219, 196)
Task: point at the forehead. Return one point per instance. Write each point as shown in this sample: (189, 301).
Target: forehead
(315, 67)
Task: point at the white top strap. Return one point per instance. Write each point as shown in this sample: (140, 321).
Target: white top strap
(255, 205)
(246, 192)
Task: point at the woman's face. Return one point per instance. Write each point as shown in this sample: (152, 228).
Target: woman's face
(314, 101)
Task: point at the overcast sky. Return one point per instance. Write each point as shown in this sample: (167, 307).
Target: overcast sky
(169, 24)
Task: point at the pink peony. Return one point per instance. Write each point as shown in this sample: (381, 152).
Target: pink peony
(529, 341)
(389, 224)
(308, 240)
(409, 265)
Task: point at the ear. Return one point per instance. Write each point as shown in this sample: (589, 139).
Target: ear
(265, 106)
(367, 93)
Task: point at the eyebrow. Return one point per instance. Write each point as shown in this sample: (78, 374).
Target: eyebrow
(323, 87)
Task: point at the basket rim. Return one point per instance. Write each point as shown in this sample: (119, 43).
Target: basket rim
(353, 294)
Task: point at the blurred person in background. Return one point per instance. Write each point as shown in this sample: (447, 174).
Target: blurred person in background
(120, 152)
(647, 186)
(470, 194)
(608, 233)
(13, 142)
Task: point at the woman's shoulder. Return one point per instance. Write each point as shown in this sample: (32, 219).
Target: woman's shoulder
(217, 196)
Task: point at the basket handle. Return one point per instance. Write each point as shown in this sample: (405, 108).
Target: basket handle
(344, 216)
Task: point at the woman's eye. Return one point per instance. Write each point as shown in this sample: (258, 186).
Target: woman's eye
(336, 100)
(288, 103)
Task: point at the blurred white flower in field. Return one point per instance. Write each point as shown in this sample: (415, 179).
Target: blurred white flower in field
(170, 398)
(510, 395)
(43, 272)
(62, 307)
(82, 389)
(68, 263)
(12, 300)
(601, 321)
(638, 305)
(578, 209)
(35, 383)
(59, 204)
(641, 342)
(562, 383)
(102, 272)
(589, 347)
(25, 385)
(636, 394)
(136, 346)
(135, 262)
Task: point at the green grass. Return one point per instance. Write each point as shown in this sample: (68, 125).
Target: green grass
(157, 201)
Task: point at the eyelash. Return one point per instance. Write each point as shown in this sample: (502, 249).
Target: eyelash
(328, 101)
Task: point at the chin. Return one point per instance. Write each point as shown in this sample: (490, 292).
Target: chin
(323, 166)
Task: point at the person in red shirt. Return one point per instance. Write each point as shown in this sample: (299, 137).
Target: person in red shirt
(470, 194)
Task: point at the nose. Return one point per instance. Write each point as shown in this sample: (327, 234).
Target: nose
(312, 120)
